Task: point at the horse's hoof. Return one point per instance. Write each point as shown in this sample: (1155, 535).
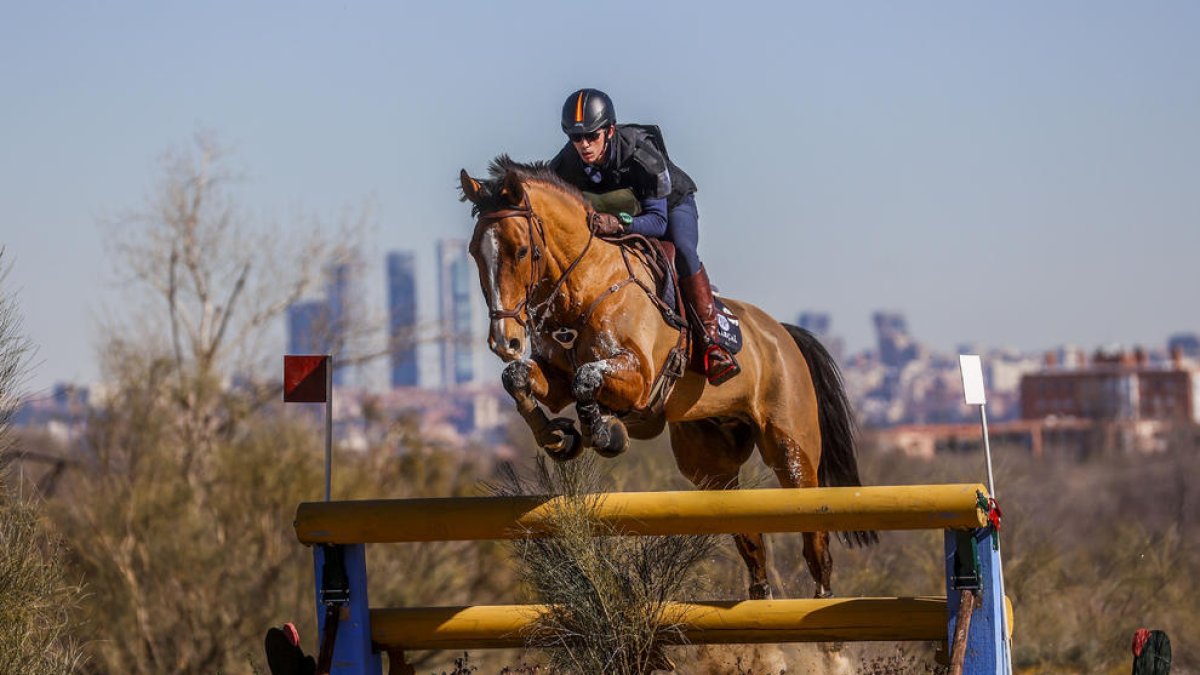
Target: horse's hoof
(610, 439)
(569, 443)
(761, 591)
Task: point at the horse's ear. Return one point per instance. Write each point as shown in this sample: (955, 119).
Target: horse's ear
(472, 189)
(513, 190)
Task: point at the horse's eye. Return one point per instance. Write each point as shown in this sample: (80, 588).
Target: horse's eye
(522, 252)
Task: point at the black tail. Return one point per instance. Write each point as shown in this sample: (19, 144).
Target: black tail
(839, 467)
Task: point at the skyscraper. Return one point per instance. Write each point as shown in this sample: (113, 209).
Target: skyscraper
(896, 346)
(338, 289)
(819, 324)
(306, 328)
(402, 317)
(816, 323)
(456, 294)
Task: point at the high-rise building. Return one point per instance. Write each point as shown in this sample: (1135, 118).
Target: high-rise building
(896, 346)
(338, 295)
(456, 311)
(819, 324)
(402, 317)
(816, 323)
(307, 332)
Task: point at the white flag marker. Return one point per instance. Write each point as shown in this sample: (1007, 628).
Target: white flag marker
(972, 378)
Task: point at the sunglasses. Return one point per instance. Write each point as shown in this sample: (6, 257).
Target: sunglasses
(590, 138)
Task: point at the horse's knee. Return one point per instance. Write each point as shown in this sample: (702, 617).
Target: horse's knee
(588, 380)
(515, 378)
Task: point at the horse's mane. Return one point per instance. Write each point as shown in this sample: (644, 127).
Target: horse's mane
(501, 166)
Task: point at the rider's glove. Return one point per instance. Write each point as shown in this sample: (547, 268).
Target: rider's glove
(606, 224)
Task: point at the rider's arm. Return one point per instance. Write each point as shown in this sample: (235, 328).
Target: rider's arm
(652, 222)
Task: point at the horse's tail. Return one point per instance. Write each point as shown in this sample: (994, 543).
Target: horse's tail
(839, 466)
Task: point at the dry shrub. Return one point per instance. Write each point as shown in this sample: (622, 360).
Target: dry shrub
(37, 597)
(188, 567)
(607, 592)
(37, 623)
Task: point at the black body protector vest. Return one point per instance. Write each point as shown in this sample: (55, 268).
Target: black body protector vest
(637, 159)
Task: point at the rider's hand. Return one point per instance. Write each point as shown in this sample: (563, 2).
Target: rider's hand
(606, 224)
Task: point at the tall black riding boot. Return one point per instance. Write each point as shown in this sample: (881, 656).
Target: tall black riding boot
(719, 364)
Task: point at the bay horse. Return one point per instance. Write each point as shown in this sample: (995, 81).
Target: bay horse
(598, 338)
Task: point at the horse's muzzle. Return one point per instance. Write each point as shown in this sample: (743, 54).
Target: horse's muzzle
(507, 347)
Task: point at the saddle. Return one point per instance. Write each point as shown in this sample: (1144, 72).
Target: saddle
(659, 257)
(656, 254)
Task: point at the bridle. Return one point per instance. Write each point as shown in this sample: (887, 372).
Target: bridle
(534, 314)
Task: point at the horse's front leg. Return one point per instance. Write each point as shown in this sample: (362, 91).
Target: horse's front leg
(601, 386)
(558, 436)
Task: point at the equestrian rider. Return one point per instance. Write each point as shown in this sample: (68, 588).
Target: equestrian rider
(602, 156)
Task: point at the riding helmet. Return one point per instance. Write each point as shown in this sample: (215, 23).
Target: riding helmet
(586, 111)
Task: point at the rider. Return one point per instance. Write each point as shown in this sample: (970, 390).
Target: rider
(602, 156)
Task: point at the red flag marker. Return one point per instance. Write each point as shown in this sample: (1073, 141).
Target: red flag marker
(305, 379)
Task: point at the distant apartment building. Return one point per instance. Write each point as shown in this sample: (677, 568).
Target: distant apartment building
(457, 289)
(1123, 387)
(402, 318)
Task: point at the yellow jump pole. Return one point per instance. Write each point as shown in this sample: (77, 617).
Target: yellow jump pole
(646, 513)
(733, 622)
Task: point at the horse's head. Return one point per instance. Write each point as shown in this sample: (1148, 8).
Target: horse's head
(532, 229)
(506, 252)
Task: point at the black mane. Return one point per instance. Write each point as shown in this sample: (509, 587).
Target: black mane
(501, 166)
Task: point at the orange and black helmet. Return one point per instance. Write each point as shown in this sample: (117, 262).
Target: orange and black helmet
(586, 111)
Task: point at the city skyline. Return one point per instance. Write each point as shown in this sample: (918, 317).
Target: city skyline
(1018, 175)
(458, 342)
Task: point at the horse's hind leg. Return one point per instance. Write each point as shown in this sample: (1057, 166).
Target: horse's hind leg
(710, 454)
(795, 466)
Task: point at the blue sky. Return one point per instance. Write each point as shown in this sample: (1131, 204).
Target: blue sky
(1023, 174)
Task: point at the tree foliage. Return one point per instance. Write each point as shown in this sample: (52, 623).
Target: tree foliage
(179, 517)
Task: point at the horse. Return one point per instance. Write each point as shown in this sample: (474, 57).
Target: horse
(598, 337)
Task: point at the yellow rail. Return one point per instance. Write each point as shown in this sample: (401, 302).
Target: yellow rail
(909, 507)
(734, 622)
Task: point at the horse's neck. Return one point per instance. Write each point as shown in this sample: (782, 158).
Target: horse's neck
(570, 247)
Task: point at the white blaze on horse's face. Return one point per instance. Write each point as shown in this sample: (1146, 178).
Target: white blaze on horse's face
(508, 345)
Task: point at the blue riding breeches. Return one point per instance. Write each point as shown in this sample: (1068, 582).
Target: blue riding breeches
(683, 229)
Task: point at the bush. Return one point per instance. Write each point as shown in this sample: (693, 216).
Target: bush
(607, 593)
